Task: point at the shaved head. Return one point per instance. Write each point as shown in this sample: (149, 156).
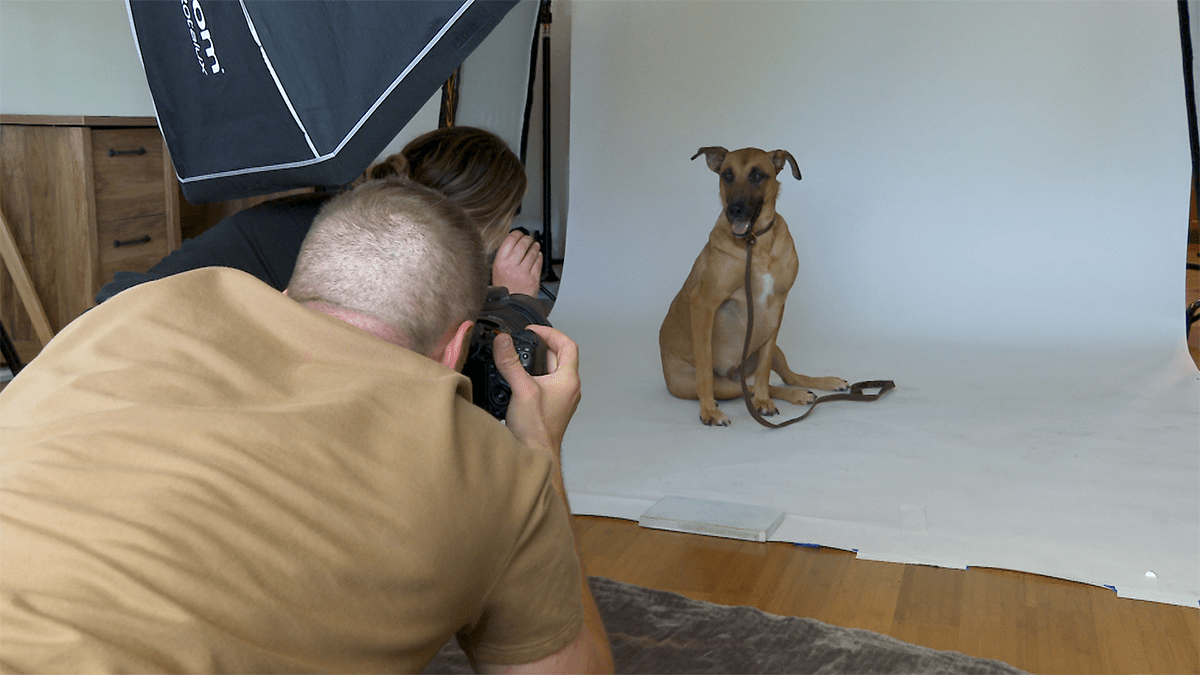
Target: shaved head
(398, 252)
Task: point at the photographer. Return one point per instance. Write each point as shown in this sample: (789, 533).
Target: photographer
(299, 484)
(472, 167)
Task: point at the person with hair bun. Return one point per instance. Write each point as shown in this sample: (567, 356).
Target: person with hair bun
(472, 167)
(477, 171)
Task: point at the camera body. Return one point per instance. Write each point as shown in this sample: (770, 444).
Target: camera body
(503, 313)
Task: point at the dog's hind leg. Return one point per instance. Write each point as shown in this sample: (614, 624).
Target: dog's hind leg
(779, 365)
(681, 382)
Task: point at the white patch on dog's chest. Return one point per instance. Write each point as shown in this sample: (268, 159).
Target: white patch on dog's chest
(766, 287)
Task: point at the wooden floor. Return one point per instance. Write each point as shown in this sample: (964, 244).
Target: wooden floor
(1039, 624)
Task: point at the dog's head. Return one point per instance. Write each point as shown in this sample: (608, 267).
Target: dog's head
(748, 184)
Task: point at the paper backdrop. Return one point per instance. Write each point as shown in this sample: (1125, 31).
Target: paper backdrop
(993, 213)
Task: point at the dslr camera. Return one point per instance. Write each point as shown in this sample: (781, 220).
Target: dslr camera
(504, 313)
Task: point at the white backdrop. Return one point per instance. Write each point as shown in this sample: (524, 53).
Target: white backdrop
(993, 213)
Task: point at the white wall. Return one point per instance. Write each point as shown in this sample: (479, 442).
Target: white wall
(69, 57)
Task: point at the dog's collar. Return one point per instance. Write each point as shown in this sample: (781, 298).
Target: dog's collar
(750, 235)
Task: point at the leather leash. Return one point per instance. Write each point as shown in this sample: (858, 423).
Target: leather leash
(856, 389)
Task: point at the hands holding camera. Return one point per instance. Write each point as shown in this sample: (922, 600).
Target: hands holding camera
(518, 264)
(542, 406)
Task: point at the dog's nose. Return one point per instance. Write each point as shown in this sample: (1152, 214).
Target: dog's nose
(737, 211)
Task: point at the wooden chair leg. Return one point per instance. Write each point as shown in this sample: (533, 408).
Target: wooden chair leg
(24, 283)
(9, 352)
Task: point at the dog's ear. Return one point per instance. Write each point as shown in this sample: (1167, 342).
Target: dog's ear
(779, 157)
(714, 155)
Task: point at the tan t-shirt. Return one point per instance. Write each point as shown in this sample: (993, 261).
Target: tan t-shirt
(202, 475)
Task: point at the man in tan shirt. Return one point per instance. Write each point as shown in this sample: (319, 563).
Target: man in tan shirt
(205, 475)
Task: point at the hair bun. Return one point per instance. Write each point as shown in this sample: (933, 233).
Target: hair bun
(394, 165)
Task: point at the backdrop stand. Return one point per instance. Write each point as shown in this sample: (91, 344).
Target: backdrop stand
(544, 19)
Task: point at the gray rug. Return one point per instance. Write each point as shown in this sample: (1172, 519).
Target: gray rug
(659, 632)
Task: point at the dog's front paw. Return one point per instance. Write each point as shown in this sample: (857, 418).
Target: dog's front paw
(796, 395)
(832, 384)
(766, 408)
(713, 417)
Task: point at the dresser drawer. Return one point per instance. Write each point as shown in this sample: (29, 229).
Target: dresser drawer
(127, 173)
(131, 244)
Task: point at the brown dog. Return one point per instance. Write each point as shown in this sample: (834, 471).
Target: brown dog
(703, 335)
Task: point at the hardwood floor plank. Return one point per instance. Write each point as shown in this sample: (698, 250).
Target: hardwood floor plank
(811, 583)
(1120, 637)
(996, 621)
(867, 596)
(1064, 627)
(602, 542)
(928, 607)
(1168, 639)
(1189, 638)
(744, 579)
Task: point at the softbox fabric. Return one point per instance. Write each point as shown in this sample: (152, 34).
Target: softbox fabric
(258, 96)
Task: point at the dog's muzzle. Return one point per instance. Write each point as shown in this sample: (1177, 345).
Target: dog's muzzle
(741, 216)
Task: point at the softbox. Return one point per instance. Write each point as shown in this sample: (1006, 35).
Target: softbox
(259, 96)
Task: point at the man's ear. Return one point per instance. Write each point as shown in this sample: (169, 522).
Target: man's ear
(455, 353)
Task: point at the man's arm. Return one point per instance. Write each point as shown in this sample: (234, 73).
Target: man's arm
(538, 414)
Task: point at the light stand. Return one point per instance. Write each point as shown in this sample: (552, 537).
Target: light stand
(544, 20)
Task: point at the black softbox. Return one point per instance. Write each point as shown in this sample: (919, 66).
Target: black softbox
(259, 96)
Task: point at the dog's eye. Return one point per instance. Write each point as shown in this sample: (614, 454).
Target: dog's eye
(757, 176)
(727, 175)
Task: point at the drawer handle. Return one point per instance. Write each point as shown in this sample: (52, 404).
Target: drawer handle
(144, 239)
(114, 153)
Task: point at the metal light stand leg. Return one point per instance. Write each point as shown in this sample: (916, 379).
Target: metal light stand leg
(544, 20)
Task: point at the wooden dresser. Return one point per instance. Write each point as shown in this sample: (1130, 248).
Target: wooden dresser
(84, 197)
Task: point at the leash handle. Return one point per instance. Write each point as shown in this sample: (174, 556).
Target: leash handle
(855, 393)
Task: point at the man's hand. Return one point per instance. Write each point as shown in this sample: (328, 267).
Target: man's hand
(518, 264)
(542, 406)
